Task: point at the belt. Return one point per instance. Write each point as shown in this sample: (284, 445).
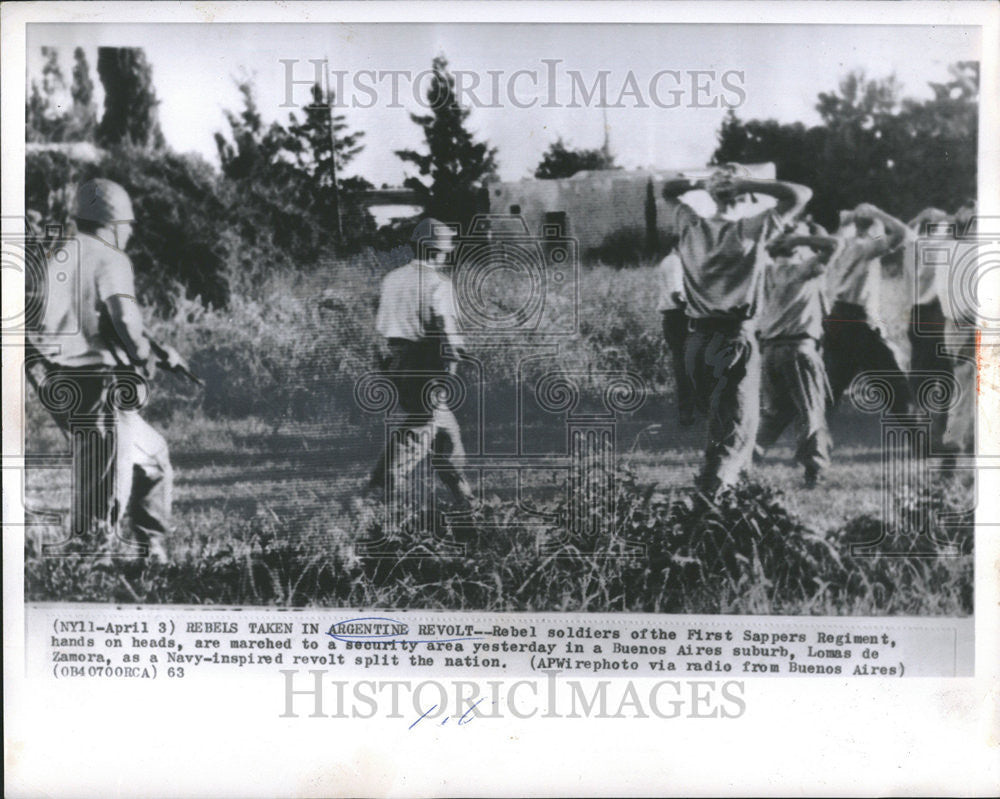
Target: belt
(717, 324)
(787, 339)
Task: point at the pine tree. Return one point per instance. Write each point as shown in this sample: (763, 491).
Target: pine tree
(312, 141)
(130, 103)
(455, 163)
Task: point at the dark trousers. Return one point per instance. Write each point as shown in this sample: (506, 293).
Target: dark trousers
(853, 346)
(422, 425)
(723, 364)
(795, 389)
(675, 332)
(927, 340)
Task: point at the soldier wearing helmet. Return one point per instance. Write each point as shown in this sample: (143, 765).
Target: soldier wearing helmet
(90, 334)
(417, 322)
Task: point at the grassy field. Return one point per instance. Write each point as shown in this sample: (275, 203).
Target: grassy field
(269, 456)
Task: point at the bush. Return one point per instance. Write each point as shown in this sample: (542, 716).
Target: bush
(194, 230)
(669, 553)
(624, 247)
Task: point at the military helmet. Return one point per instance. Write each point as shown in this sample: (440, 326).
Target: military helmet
(103, 201)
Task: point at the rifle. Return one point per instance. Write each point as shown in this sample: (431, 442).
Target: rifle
(120, 352)
(163, 358)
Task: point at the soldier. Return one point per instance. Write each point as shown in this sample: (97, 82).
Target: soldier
(722, 274)
(959, 435)
(416, 318)
(90, 328)
(927, 321)
(854, 340)
(671, 307)
(795, 385)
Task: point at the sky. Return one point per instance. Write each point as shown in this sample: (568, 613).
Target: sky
(772, 71)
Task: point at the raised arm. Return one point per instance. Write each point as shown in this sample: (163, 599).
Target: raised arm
(672, 189)
(896, 230)
(824, 245)
(792, 197)
(929, 215)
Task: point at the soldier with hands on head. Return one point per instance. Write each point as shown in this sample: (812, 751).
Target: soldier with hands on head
(854, 337)
(723, 268)
(795, 387)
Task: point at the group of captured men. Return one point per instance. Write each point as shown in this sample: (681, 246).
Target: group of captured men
(768, 319)
(765, 309)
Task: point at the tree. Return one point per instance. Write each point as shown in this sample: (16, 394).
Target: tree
(46, 117)
(276, 195)
(43, 121)
(82, 91)
(652, 232)
(559, 161)
(130, 103)
(285, 176)
(873, 145)
(311, 142)
(456, 164)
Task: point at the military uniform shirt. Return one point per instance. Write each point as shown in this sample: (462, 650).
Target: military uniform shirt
(921, 279)
(671, 274)
(856, 272)
(81, 276)
(793, 298)
(722, 263)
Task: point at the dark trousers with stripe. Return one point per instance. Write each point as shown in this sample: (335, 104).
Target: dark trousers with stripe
(424, 426)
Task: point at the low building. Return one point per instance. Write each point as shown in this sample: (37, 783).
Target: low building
(596, 208)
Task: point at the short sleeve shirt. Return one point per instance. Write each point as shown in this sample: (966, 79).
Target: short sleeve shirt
(671, 279)
(722, 261)
(417, 302)
(793, 298)
(921, 279)
(856, 272)
(82, 274)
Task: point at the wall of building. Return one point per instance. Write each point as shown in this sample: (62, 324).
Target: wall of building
(601, 203)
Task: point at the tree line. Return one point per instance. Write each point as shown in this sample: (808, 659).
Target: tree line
(281, 197)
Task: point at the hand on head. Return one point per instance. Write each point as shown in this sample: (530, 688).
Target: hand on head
(722, 183)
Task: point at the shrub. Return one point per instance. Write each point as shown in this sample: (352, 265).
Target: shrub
(625, 247)
(668, 553)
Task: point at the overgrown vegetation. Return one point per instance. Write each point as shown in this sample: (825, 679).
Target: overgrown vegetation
(232, 265)
(670, 552)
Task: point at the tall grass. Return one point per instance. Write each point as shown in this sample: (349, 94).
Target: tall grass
(670, 551)
(275, 358)
(308, 357)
